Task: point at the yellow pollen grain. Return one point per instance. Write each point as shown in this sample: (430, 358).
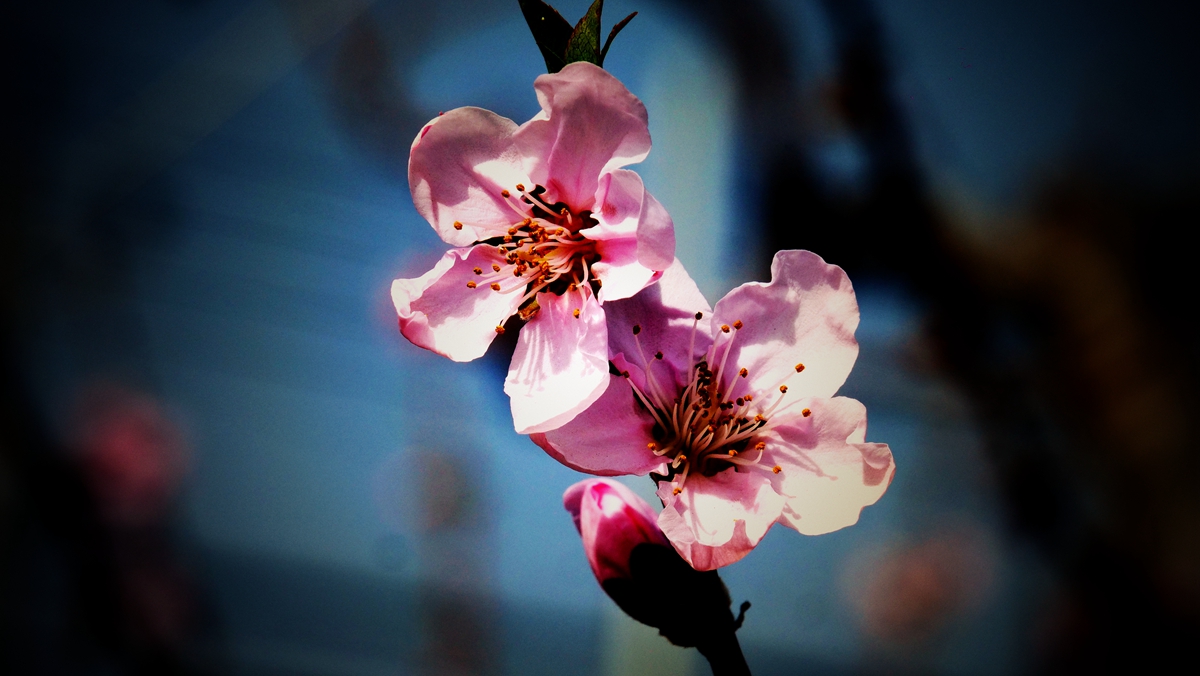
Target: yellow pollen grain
(508, 238)
(738, 324)
(732, 452)
(471, 285)
(676, 491)
(478, 271)
(504, 193)
(777, 469)
(799, 368)
(576, 313)
(759, 418)
(749, 397)
(521, 187)
(495, 286)
(457, 225)
(743, 373)
(760, 445)
(495, 268)
(724, 328)
(783, 389)
(500, 330)
(652, 446)
(806, 413)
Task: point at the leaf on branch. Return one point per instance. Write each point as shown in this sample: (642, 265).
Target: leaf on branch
(550, 30)
(560, 44)
(612, 34)
(584, 44)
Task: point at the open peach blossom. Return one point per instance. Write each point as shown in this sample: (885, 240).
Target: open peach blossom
(547, 226)
(734, 409)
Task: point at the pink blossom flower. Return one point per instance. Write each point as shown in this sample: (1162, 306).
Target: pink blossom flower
(546, 225)
(735, 409)
(612, 520)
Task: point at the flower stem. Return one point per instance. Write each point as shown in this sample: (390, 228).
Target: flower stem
(724, 654)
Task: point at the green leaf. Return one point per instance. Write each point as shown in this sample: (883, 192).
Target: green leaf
(612, 34)
(584, 44)
(551, 32)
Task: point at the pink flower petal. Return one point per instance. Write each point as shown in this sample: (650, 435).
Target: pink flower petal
(665, 314)
(705, 557)
(626, 209)
(440, 313)
(828, 472)
(608, 439)
(590, 124)
(619, 270)
(458, 165)
(806, 315)
(560, 366)
(718, 519)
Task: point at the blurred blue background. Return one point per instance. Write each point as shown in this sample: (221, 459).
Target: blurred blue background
(220, 456)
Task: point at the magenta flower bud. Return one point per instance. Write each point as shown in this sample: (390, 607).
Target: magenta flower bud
(612, 520)
(634, 563)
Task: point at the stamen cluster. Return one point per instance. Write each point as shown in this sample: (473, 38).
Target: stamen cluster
(543, 251)
(707, 427)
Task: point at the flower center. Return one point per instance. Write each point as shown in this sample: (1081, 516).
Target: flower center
(543, 251)
(716, 420)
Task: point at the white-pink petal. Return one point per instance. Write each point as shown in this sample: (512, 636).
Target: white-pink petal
(624, 208)
(458, 165)
(440, 313)
(560, 366)
(829, 472)
(665, 313)
(712, 510)
(806, 315)
(610, 438)
(619, 271)
(590, 124)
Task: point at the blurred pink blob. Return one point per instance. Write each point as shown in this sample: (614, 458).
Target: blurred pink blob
(907, 593)
(612, 520)
(133, 453)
